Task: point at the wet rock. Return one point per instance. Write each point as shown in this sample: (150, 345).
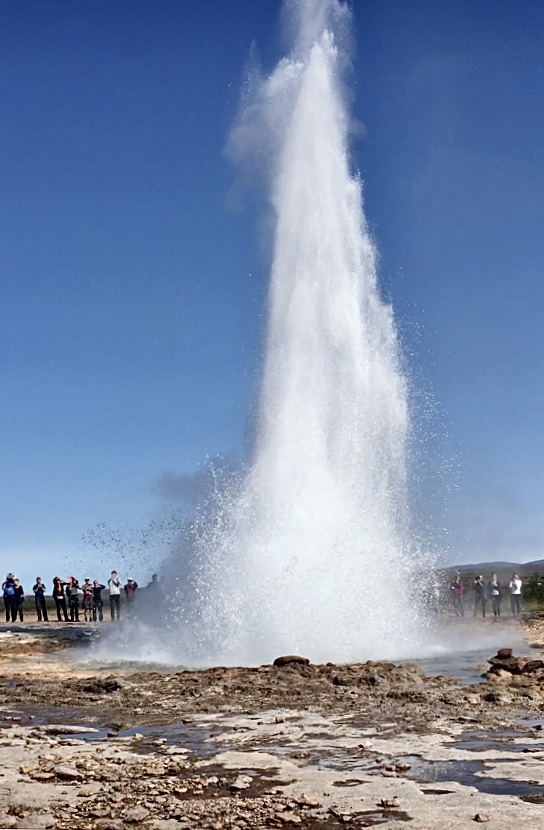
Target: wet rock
(532, 666)
(99, 686)
(291, 658)
(512, 664)
(498, 697)
(63, 729)
(531, 694)
(176, 750)
(498, 675)
(504, 653)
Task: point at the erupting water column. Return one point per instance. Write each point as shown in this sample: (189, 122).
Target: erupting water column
(313, 553)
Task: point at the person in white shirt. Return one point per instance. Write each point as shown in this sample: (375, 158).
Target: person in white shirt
(515, 594)
(114, 586)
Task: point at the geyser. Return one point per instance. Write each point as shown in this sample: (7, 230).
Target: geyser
(311, 553)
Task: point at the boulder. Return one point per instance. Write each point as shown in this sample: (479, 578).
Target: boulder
(510, 664)
(532, 665)
(67, 773)
(133, 815)
(498, 697)
(498, 674)
(291, 658)
(241, 783)
(504, 653)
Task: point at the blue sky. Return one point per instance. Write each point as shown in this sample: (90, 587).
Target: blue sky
(133, 263)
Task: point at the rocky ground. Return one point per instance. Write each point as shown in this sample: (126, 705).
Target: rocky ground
(313, 746)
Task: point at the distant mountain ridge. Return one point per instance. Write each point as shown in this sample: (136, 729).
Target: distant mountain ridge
(486, 566)
(495, 567)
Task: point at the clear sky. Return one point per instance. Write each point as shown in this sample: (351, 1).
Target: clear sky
(134, 263)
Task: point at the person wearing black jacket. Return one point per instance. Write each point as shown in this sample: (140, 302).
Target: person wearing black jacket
(20, 598)
(73, 600)
(98, 602)
(39, 600)
(480, 596)
(60, 598)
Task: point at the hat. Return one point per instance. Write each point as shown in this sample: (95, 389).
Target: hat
(9, 576)
(130, 579)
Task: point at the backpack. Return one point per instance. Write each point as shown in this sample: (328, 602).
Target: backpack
(9, 590)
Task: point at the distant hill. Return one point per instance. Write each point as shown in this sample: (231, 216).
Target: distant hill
(489, 566)
(504, 570)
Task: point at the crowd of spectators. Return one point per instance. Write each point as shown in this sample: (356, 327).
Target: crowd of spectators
(75, 601)
(485, 592)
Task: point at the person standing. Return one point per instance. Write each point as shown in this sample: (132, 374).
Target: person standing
(60, 598)
(515, 594)
(114, 586)
(130, 592)
(73, 599)
(20, 599)
(98, 602)
(39, 600)
(458, 592)
(88, 599)
(10, 599)
(154, 586)
(494, 590)
(479, 595)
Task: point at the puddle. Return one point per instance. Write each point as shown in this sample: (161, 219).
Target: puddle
(477, 741)
(196, 739)
(466, 773)
(465, 668)
(370, 818)
(536, 724)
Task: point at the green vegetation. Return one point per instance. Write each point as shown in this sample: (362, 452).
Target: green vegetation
(533, 590)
